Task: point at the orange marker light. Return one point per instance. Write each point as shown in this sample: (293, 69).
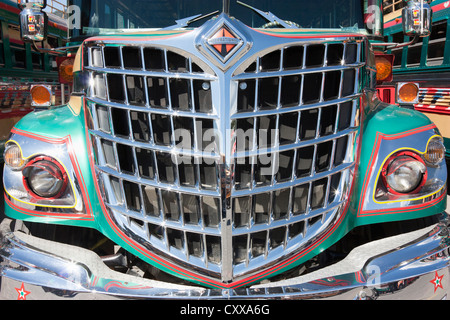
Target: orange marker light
(384, 67)
(13, 156)
(408, 93)
(41, 95)
(435, 153)
(65, 69)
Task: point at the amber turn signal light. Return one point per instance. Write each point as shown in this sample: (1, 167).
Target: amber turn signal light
(407, 92)
(41, 95)
(384, 63)
(435, 153)
(13, 156)
(65, 69)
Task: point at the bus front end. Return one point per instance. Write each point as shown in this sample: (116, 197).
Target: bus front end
(221, 158)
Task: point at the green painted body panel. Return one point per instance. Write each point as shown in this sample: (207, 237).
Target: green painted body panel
(380, 118)
(389, 119)
(58, 123)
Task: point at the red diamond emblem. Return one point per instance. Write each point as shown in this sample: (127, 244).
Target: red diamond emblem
(223, 41)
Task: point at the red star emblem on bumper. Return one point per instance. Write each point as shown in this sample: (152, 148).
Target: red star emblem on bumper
(437, 281)
(22, 292)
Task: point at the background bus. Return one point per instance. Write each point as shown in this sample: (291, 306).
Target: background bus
(21, 65)
(426, 63)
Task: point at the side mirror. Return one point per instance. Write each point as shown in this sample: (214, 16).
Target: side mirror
(416, 18)
(33, 25)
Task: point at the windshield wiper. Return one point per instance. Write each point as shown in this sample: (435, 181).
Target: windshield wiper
(270, 17)
(183, 23)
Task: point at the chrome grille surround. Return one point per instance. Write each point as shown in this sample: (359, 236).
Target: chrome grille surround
(216, 214)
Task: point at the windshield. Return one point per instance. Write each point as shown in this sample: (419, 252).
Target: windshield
(99, 15)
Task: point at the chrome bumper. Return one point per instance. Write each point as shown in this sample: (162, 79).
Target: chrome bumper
(409, 266)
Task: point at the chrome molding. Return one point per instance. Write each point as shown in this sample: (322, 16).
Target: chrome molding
(192, 220)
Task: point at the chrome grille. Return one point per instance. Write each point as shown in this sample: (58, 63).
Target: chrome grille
(308, 94)
(139, 99)
(280, 191)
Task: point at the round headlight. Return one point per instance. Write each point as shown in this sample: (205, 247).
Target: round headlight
(405, 173)
(45, 178)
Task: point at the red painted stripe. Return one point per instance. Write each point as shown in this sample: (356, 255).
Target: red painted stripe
(151, 37)
(433, 109)
(441, 6)
(9, 8)
(315, 36)
(35, 213)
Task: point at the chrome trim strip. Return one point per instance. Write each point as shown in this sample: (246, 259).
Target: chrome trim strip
(172, 150)
(283, 73)
(301, 107)
(159, 185)
(145, 73)
(199, 228)
(298, 145)
(289, 184)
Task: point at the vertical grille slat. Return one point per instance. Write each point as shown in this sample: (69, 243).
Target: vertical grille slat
(156, 117)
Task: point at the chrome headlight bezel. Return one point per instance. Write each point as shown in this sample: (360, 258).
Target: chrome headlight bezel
(404, 172)
(45, 177)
